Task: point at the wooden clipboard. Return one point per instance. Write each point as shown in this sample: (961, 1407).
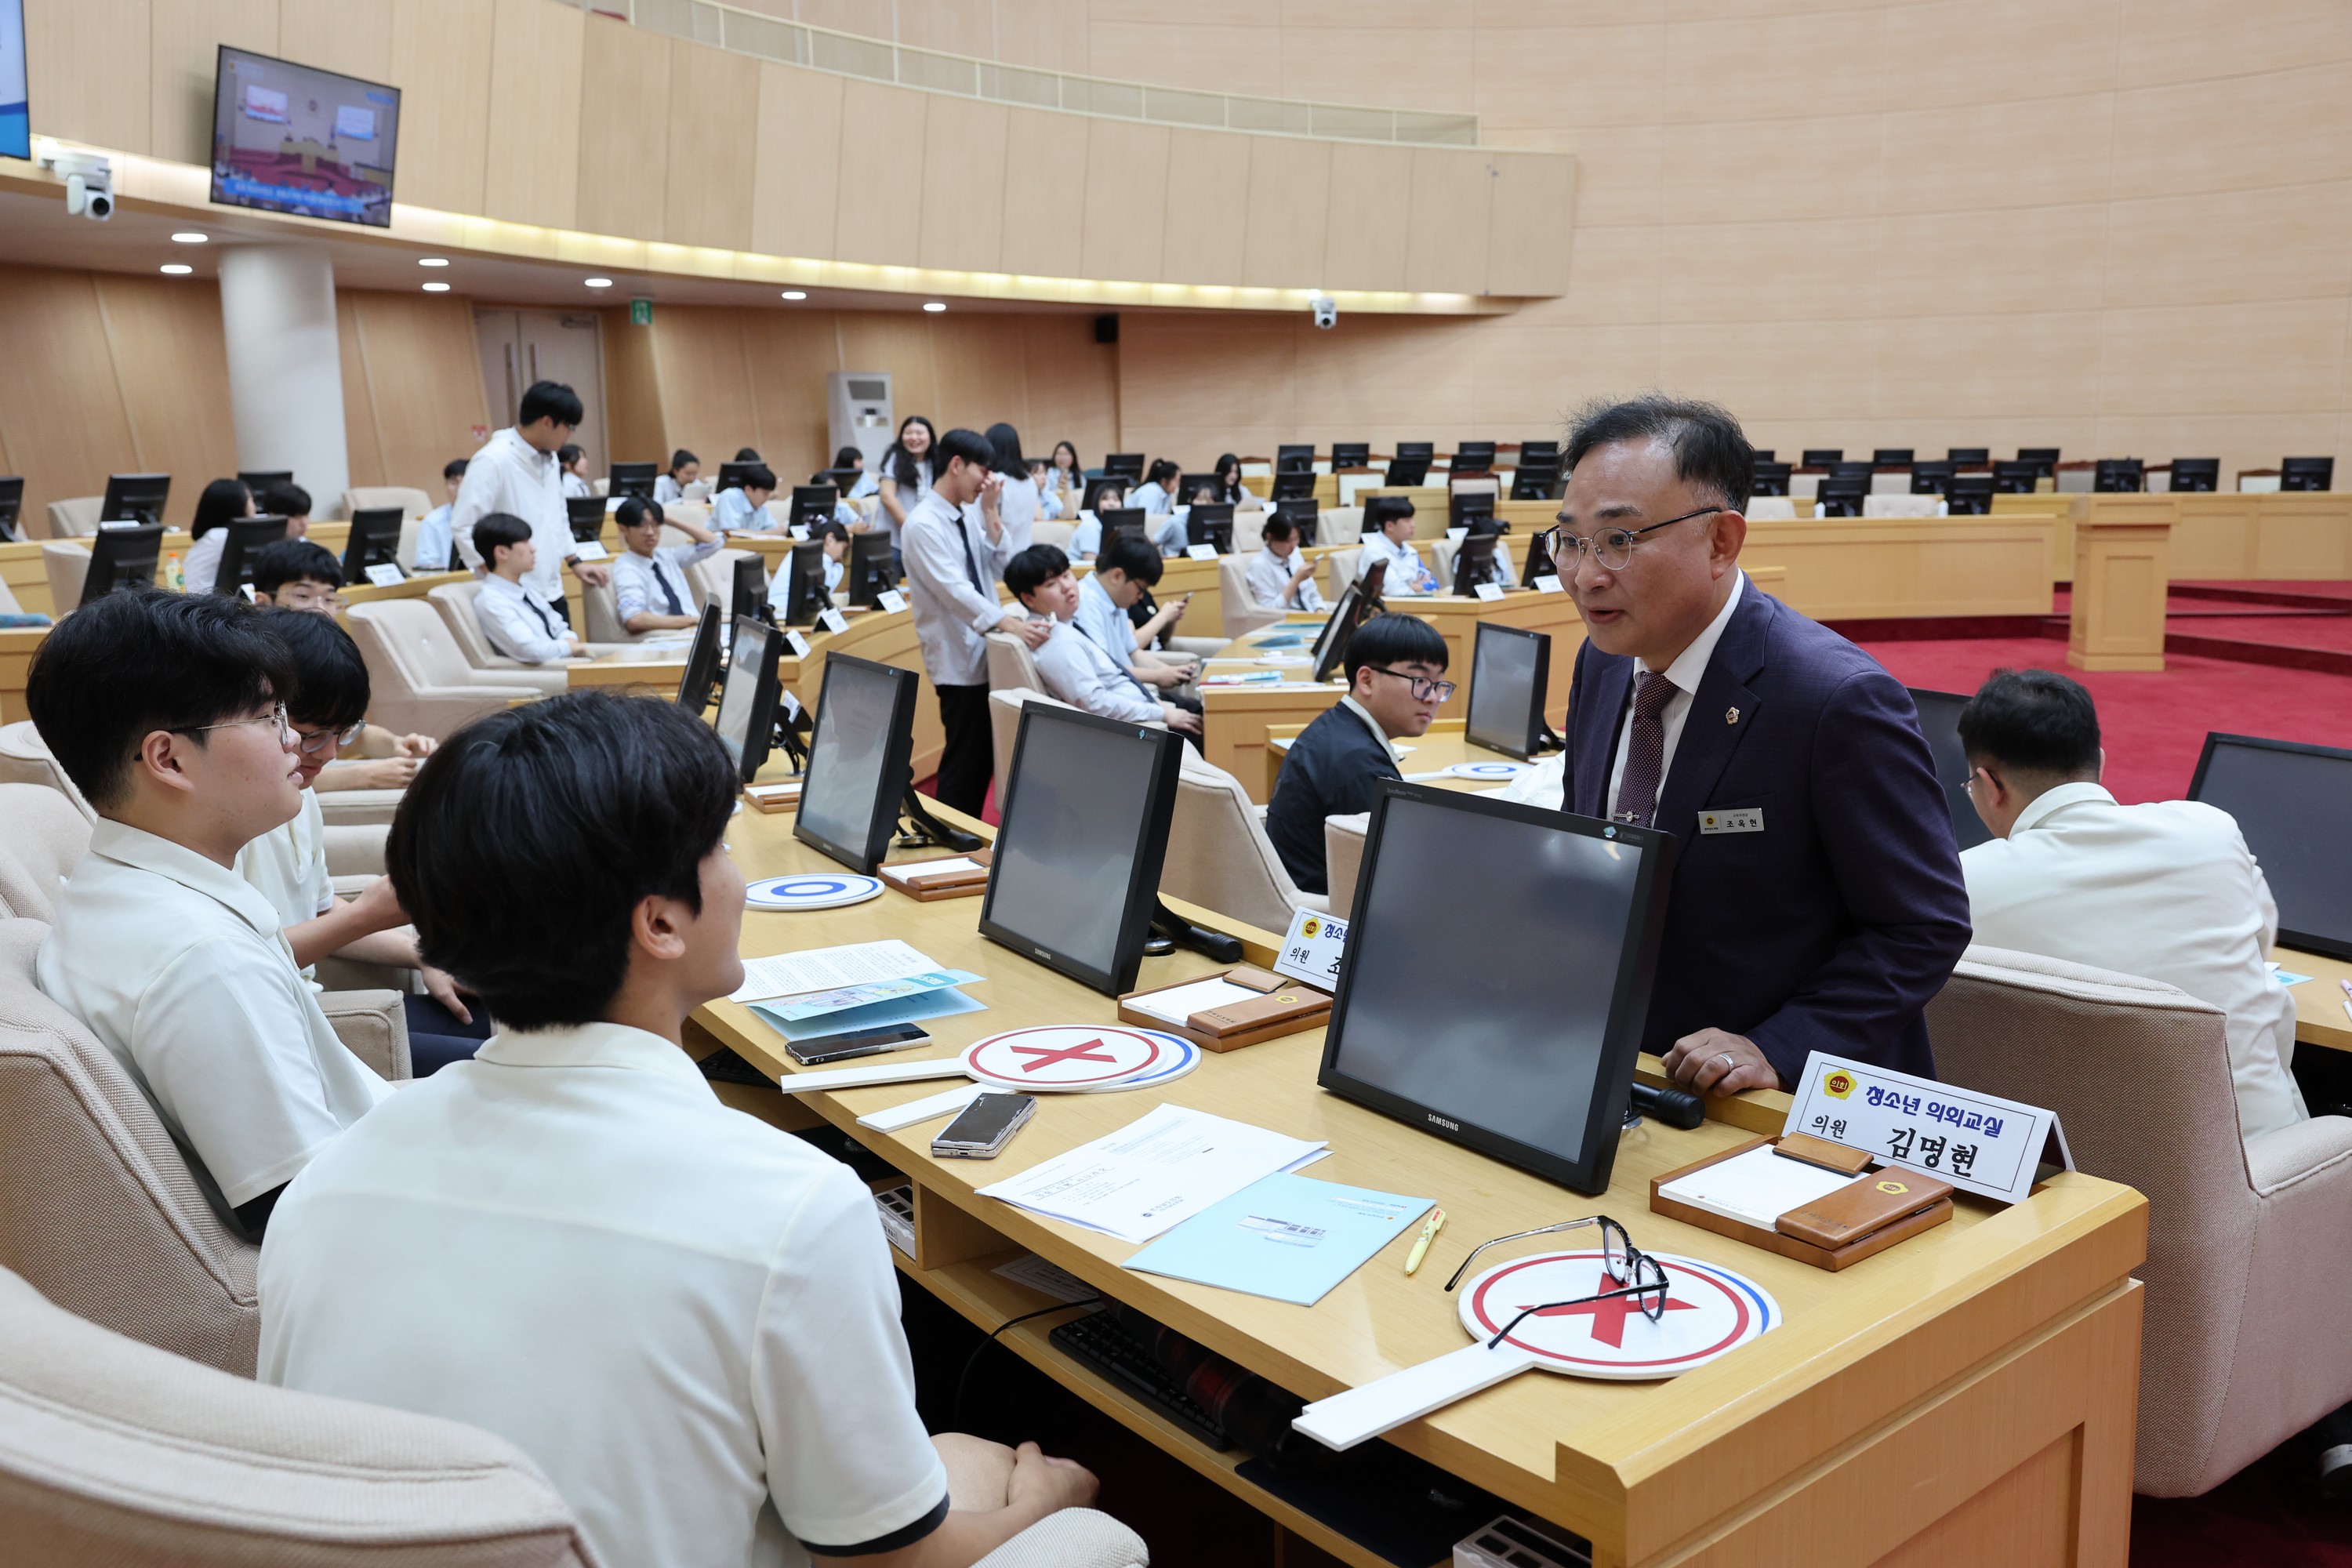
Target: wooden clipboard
(1830, 1258)
(909, 879)
(1285, 1007)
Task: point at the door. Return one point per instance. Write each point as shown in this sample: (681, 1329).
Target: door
(519, 347)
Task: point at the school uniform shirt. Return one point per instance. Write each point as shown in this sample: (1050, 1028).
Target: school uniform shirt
(577, 489)
(922, 488)
(1106, 626)
(688, 1319)
(733, 512)
(433, 542)
(657, 581)
(867, 484)
(1406, 574)
(1085, 540)
(780, 587)
(510, 475)
(1332, 770)
(1269, 583)
(666, 490)
(202, 562)
(288, 865)
(2167, 891)
(1050, 505)
(1083, 676)
(1018, 506)
(177, 964)
(951, 573)
(518, 625)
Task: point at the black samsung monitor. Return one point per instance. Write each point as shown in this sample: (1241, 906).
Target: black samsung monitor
(1472, 458)
(1293, 487)
(1127, 463)
(1294, 460)
(860, 760)
(247, 535)
(1548, 452)
(12, 504)
(1092, 500)
(2118, 476)
(869, 575)
(1969, 495)
(747, 696)
(1892, 456)
(1210, 524)
(1930, 478)
(1350, 455)
(2042, 458)
(1510, 674)
(1561, 928)
(633, 479)
(1075, 876)
(747, 590)
(586, 515)
(1538, 562)
(1304, 515)
(1968, 457)
(2288, 798)
(701, 664)
(1474, 562)
(1189, 485)
(812, 505)
(1841, 496)
(2016, 478)
(731, 476)
(1404, 472)
(805, 592)
(1536, 482)
(1424, 450)
(1331, 642)
(2199, 474)
(375, 541)
(134, 498)
(1771, 479)
(2306, 473)
(292, 138)
(1939, 721)
(1463, 508)
(1823, 456)
(123, 555)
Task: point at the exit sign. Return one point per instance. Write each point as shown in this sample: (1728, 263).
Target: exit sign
(641, 312)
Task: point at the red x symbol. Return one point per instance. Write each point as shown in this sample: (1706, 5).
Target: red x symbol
(1609, 1317)
(1047, 1056)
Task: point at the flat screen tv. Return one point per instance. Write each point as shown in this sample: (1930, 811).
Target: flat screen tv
(294, 139)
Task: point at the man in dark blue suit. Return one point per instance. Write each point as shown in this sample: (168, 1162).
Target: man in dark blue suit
(1817, 902)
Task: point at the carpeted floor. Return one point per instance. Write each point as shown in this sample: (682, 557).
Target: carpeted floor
(2265, 1514)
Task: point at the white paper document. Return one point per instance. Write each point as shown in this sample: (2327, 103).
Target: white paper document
(827, 969)
(1756, 1187)
(1154, 1172)
(953, 865)
(1179, 1003)
(932, 1107)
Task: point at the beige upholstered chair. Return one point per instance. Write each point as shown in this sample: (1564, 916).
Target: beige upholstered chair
(117, 1453)
(42, 836)
(1011, 664)
(75, 517)
(422, 680)
(359, 807)
(455, 604)
(68, 566)
(1339, 525)
(2249, 1301)
(1340, 569)
(1879, 503)
(1769, 509)
(1244, 614)
(713, 577)
(1005, 705)
(413, 503)
(25, 759)
(1219, 855)
(601, 604)
(1057, 535)
(1343, 857)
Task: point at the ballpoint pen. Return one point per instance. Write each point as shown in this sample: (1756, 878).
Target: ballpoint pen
(1429, 1230)
(2348, 995)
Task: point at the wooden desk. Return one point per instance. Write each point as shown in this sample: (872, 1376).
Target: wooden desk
(1444, 745)
(1457, 622)
(1899, 567)
(640, 669)
(1966, 1397)
(18, 647)
(2319, 1015)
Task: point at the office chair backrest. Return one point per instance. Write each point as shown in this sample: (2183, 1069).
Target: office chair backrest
(25, 758)
(43, 835)
(1219, 855)
(1010, 665)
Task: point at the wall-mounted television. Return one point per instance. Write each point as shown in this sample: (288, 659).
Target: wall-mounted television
(293, 139)
(15, 122)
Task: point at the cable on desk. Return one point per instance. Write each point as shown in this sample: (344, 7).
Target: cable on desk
(955, 1417)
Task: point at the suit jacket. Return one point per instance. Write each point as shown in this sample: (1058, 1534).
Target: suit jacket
(1334, 768)
(1830, 929)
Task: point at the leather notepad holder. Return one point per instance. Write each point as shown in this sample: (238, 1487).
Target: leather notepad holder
(772, 798)
(1279, 1007)
(1856, 1221)
(963, 882)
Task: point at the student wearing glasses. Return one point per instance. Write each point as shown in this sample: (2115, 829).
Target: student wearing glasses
(296, 574)
(1394, 666)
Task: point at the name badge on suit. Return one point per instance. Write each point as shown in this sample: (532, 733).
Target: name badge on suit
(1745, 819)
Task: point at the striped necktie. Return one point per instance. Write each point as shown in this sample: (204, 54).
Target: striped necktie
(1645, 750)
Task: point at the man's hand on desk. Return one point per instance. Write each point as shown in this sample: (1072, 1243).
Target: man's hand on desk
(1718, 1062)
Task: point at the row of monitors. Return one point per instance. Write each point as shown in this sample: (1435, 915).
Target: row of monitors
(126, 554)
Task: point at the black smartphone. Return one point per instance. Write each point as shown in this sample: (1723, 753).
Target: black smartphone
(983, 1129)
(822, 1048)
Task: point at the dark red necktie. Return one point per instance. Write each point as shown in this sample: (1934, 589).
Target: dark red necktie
(1645, 750)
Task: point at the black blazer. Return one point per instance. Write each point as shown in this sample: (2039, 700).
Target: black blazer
(1333, 768)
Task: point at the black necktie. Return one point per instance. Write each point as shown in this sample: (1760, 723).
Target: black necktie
(668, 593)
(539, 610)
(970, 565)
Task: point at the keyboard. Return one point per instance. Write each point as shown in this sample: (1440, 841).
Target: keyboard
(1096, 1338)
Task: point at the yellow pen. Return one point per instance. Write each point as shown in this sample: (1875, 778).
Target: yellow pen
(1429, 1230)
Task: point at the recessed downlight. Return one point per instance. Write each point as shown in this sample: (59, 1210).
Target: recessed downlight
(436, 287)
(177, 269)
(934, 306)
(795, 293)
(432, 261)
(599, 282)
(190, 236)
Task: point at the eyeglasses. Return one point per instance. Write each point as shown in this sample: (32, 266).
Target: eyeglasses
(1423, 689)
(1635, 1273)
(277, 715)
(1612, 547)
(313, 741)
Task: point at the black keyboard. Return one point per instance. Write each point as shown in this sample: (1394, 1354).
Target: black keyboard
(1095, 1338)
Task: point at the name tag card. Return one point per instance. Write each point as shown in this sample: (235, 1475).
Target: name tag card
(798, 643)
(1979, 1143)
(590, 550)
(1457, 534)
(1747, 820)
(832, 620)
(1201, 552)
(1311, 951)
(791, 706)
(1489, 591)
(384, 573)
(890, 599)
(613, 504)
(799, 531)
(1548, 584)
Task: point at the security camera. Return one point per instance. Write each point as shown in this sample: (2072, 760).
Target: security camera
(90, 180)
(1326, 308)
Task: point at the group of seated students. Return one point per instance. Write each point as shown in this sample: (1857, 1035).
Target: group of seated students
(688, 1319)
(225, 502)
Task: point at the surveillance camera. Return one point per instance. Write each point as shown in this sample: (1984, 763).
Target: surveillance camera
(90, 180)
(1326, 310)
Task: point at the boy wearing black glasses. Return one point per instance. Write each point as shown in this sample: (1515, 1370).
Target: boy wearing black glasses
(1333, 769)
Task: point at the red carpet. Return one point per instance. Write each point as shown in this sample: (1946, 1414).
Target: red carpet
(2266, 1514)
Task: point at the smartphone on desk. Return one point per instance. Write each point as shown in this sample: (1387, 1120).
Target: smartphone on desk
(819, 1049)
(983, 1129)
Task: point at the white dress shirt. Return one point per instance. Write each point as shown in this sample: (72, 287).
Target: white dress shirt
(1269, 583)
(202, 562)
(1405, 575)
(1106, 626)
(733, 511)
(866, 484)
(638, 580)
(1687, 669)
(922, 488)
(688, 1319)
(178, 966)
(2166, 891)
(577, 489)
(510, 475)
(1083, 676)
(666, 490)
(951, 573)
(1085, 539)
(1018, 506)
(1050, 505)
(1544, 784)
(517, 623)
(433, 541)
(287, 864)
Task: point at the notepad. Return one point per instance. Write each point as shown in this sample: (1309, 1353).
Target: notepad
(1179, 1003)
(1754, 1188)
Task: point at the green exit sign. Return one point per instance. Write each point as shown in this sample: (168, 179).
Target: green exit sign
(641, 312)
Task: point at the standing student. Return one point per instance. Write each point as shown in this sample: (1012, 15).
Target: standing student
(284, 498)
(685, 467)
(904, 478)
(222, 503)
(1018, 503)
(167, 710)
(1230, 488)
(1123, 572)
(1391, 543)
(516, 622)
(515, 475)
(573, 461)
(1073, 668)
(954, 543)
(743, 508)
(435, 547)
(649, 587)
(1282, 576)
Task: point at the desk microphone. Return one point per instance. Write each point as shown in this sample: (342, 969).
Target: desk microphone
(1674, 1106)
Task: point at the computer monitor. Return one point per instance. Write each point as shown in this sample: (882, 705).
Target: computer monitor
(1119, 519)
(374, 541)
(632, 479)
(2289, 800)
(254, 479)
(1424, 450)
(2306, 473)
(1472, 458)
(747, 590)
(843, 479)
(134, 498)
(1357, 604)
(869, 573)
(1931, 478)
(805, 592)
(123, 555)
(733, 476)
(812, 506)
(1405, 472)
(1968, 457)
(1510, 674)
(1538, 562)
(860, 760)
(1533, 452)
(1823, 456)
(2042, 458)
(2196, 474)
(1293, 487)
(2016, 478)
(1764, 454)
(1474, 562)
(1463, 508)
(1075, 876)
(586, 515)
(1939, 721)
(747, 696)
(247, 535)
(1855, 469)
(1892, 456)
(1190, 485)
(1841, 496)
(1294, 460)
(1969, 495)
(12, 504)
(1536, 482)
(2118, 476)
(1502, 1011)
(1127, 463)
(1305, 514)
(1210, 524)
(1771, 479)
(1350, 455)
(1092, 500)
(701, 664)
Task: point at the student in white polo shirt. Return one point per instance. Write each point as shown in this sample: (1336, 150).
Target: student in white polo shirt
(686, 1317)
(512, 618)
(165, 710)
(650, 593)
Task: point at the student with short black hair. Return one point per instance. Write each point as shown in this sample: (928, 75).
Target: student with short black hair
(435, 549)
(1156, 498)
(283, 497)
(684, 469)
(516, 622)
(577, 483)
(1124, 571)
(1395, 666)
(1391, 540)
(222, 503)
(1073, 668)
(515, 475)
(686, 1317)
(1282, 576)
(296, 574)
(650, 586)
(866, 483)
(743, 508)
(167, 710)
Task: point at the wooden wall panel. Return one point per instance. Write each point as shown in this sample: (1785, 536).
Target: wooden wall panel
(1073, 388)
(532, 174)
(1044, 191)
(714, 114)
(1127, 194)
(705, 381)
(878, 215)
(796, 187)
(1446, 223)
(963, 185)
(1526, 223)
(624, 94)
(1289, 202)
(632, 403)
(67, 430)
(441, 52)
(1207, 204)
(1363, 237)
(352, 37)
(172, 364)
(981, 361)
(899, 342)
(185, 41)
(791, 352)
(422, 365)
(363, 446)
(89, 61)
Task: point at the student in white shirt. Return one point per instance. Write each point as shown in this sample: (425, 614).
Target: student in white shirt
(296, 574)
(2167, 891)
(743, 508)
(514, 473)
(1126, 569)
(1391, 543)
(573, 462)
(1230, 488)
(1069, 475)
(222, 502)
(903, 478)
(1156, 498)
(1018, 504)
(516, 622)
(685, 467)
(1085, 541)
(165, 710)
(1072, 667)
(1282, 576)
(865, 484)
(435, 547)
(686, 1317)
(282, 497)
(649, 587)
(1050, 502)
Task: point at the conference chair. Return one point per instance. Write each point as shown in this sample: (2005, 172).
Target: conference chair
(413, 503)
(1340, 569)
(42, 836)
(454, 603)
(1339, 525)
(1880, 504)
(601, 604)
(1057, 535)
(2249, 1298)
(712, 578)
(1244, 614)
(1010, 665)
(1769, 509)
(1343, 859)
(67, 568)
(423, 682)
(1219, 855)
(25, 758)
(75, 517)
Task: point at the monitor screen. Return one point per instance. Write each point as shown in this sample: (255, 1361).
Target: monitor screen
(857, 768)
(1331, 642)
(1939, 721)
(15, 122)
(295, 139)
(1076, 865)
(1509, 669)
(2289, 803)
(701, 663)
(1496, 975)
(746, 699)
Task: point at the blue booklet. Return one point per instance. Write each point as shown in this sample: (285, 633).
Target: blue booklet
(1287, 1237)
(914, 1009)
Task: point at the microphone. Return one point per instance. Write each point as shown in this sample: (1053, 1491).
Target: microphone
(1674, 1106)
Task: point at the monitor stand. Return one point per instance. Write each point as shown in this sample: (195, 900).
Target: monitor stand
(1175, 930)
(788, 740)
(924, 831)
(1550, 741)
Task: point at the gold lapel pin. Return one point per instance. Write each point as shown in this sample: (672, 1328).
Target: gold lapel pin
(1731, 715)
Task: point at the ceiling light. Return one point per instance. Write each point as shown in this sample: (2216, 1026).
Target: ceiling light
(432, 261)
(189, 237)
(934, 306)
(795, 293)
(436, 287)
(600, 282)
(177, 268)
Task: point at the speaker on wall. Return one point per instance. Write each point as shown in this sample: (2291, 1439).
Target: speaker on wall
(1106, 328)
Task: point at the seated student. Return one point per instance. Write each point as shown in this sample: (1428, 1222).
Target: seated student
(836, 538)
(1085, 542)
(222, 502)
(1049, 500)
(510, 615)
(1156, 498)
(282, 497)
(167, 712)
(288, 863)
(434, 546)
(1393, 663)
(867, 483)
(573, 463)
(2167, 891)
(685, 467)
(743, 508)
(1392, 543)
(848, 516)
(1282, 576)
(296, 574)
(650, 586)
(686, 1317)
(1230, 488)
(747, 455)
(1072, 667)
(1126, 567)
